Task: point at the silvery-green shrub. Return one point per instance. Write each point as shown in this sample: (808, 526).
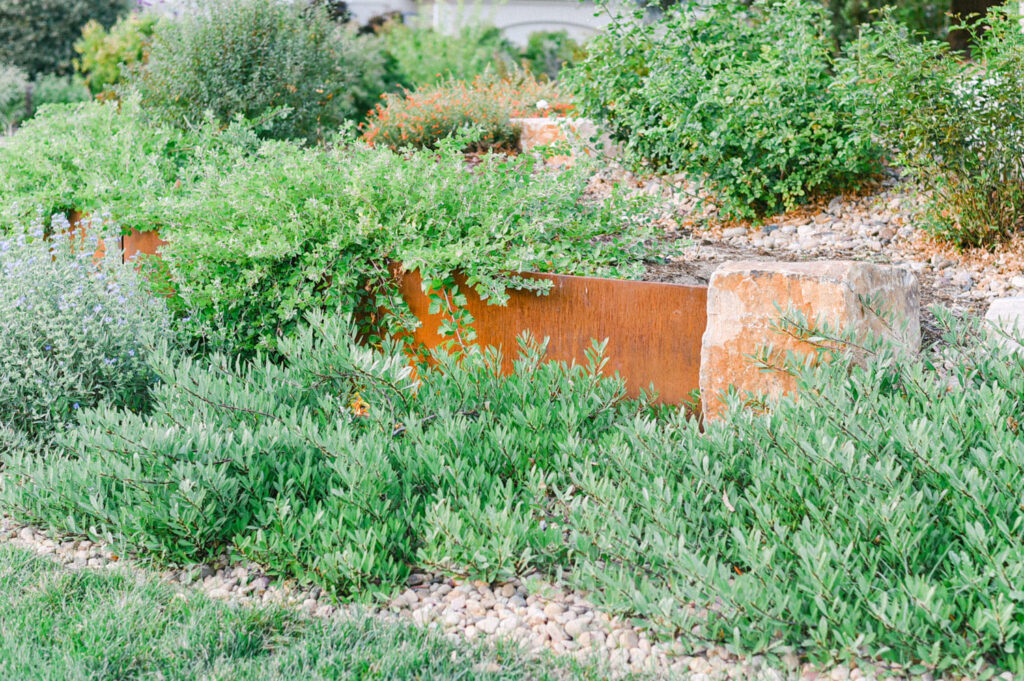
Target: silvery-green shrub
(73, 333)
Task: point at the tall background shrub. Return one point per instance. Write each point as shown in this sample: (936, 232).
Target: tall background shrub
(738, 97)
(251, 57)
(956, 126)
(39, 35)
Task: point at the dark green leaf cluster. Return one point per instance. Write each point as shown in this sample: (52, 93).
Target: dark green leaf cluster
(251, 57)
(956, 125)
(335, 466)
(877, 516)
(738, 97)
(39, 35)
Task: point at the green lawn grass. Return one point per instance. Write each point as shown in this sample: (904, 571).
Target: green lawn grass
(67, 625)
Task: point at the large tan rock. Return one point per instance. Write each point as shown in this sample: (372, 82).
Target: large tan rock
(576, 133)
(743, 317)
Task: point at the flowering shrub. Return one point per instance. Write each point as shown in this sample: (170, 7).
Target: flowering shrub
(255, 58)
(73, 329)
(739, 97)
(422, 117)
(956, 126)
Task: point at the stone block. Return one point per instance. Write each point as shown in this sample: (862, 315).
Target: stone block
(1007, 316)
(541, 131)
(743, 317)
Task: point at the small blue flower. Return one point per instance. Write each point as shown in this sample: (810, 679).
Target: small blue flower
(75, 405)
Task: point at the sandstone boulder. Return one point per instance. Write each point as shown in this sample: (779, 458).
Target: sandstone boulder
(543, 131)
(743, 317)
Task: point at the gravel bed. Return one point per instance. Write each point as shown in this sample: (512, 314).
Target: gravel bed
(537, 614)
(876, 226)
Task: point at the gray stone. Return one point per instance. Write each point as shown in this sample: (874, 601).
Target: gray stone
(1006, 316)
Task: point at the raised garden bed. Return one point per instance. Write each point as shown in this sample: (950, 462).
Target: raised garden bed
(653, 329)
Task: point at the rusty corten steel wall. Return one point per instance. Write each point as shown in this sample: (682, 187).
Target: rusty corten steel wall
(140, 242)
(653, 329)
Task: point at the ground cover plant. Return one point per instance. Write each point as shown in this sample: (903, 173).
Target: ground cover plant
(259, 239)
(73, 333)
(66, 626)
(956, 126)
(879, 516)
(251, 57)
(738, 97)
(424, 117)
(88, 157)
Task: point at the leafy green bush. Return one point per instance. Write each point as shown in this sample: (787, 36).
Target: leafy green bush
(72, 332)
(87, 157)
(258, 239)
(546, 52)
(739, 97)
(103, 54)
(956, 126)
(877, 516)
(928, 17)
(431, 113)
(423, 56)
(13, 90)
(38, 35)
(20, 97)
(336, 467)
(252, 57)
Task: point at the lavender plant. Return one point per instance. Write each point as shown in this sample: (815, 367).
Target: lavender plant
(73, 332)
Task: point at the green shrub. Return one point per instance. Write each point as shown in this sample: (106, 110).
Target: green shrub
(336, 466)
(876, 517)
(38, 35)
(20, 97)
(14, 85)
(72, 332)
(251, 57)
(422, 56)
(927, 17)
(739, 97)
(431, 113)
(103, 54)
(86, 157)
(957, 127)
(547, 52)
(258, 239)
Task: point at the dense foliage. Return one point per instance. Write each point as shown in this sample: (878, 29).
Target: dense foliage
(956, 126)
(103, 55)
(926, 17)
(20, 97)
(423, 56)
(38, 35)
(258, 239)
(546, 52)
(87, 157)
(431, 113)
(741, 98)
(879, 515)
(72, 332)
(251, 57)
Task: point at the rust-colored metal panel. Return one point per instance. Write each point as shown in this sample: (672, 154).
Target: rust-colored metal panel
(140, 242)
(653, 329)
